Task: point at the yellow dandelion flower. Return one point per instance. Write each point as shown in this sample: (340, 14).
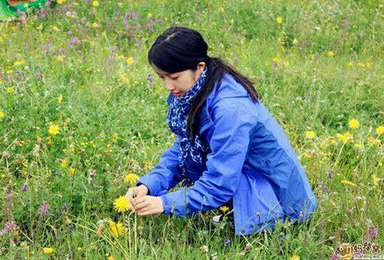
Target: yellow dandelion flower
(224, 209)
(95, 3)
(2, 115)
(111, 258)
(344, 137)
(117, 229)
(60, 99)
(346, 182)
(330, 54)
(131, 178)
(130, 60)
(375, 180)
(294, 257)
(60, 2)
(48, 250)
(10, 90)
(353, 123)
(275, 60)
(55, 29)
(64, 163)
(380, 130)
(53, 129)
(95, 25)
(122, 204)
(114, 137)
(310, 135)
(279, 20)
(60, 58)
(124, 79)
(72, 171)
(19, 62)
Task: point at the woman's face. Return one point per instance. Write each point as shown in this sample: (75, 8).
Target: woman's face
(179, 83)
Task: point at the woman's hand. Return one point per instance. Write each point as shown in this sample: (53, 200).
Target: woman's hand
(136, 192)
(148, 206)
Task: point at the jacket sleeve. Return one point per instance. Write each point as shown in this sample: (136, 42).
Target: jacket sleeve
(166, 173)
(229, 145)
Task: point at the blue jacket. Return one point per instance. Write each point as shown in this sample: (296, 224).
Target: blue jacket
(250, 161)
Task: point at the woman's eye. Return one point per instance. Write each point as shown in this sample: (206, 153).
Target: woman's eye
(175, 77)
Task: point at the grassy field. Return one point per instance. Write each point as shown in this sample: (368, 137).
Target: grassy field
(80, 109)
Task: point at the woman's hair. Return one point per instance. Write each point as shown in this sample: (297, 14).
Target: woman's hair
(180, 48)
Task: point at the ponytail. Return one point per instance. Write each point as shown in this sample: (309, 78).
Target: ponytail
(216, 69)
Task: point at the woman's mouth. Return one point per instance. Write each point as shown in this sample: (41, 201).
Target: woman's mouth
(176, 93)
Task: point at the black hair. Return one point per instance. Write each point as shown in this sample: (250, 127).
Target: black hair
(180, 48)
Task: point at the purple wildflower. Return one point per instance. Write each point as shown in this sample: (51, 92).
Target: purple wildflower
(227, 242)
(43, 209)
(43, 13)
(334, 256)
(15, 241)
(46, 48)
(8, 227)
(357, 255)
(372, 233)
(128, 16)
(111, 58)
(61, 51)
(150, 80)
(48, 3)
(74, 41)
(126, 23)
(65, 9)
(25, 187)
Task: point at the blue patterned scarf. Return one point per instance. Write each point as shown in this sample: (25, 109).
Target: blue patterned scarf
(177, 122)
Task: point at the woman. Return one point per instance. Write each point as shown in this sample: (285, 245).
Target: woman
(229, 149)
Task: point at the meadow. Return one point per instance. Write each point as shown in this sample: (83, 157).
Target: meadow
(82, 114)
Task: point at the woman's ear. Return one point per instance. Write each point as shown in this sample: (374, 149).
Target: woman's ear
(201, 66)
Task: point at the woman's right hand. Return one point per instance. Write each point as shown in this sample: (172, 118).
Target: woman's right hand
(136, 192)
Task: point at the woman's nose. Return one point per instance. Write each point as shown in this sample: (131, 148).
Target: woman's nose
(169, 85)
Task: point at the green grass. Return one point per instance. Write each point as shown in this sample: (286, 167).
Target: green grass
(112, 121)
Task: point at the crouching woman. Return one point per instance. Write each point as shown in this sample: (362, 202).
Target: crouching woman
(229, 149)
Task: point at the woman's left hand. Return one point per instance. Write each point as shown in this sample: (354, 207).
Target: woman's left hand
(148, 205)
